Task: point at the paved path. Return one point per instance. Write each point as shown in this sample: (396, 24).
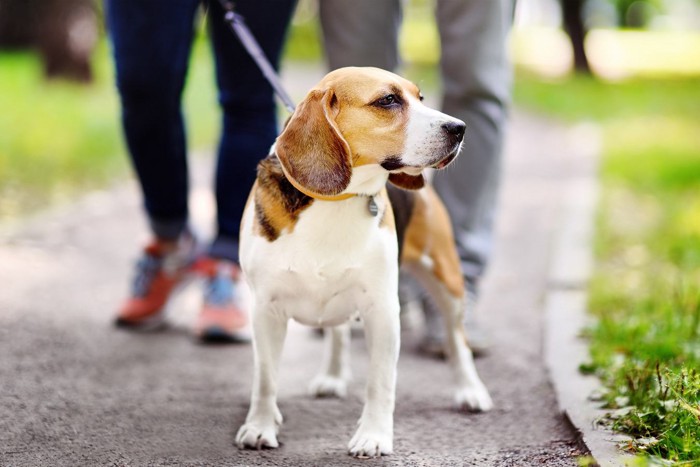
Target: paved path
(75, 391)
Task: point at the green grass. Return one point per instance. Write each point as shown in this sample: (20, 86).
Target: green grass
(59, 138)
(304, 38)
(645, 292)
(46, 140)
(580, 97)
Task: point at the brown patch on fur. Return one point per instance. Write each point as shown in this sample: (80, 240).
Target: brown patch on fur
(407, 182)
(311, 148)
(429, 232)
(277, 203)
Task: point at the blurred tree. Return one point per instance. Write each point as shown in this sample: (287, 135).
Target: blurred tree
(14, 18)
(572, 14)
(635, 13)
(63, 31)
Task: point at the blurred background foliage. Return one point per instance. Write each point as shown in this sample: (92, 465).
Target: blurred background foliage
(631, 67)
(59, 133)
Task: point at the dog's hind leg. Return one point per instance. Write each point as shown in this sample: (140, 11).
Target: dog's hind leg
(470, 394)
(429, 254)
(332, 379)
(264, 418)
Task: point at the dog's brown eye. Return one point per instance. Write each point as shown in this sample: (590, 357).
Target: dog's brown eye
(388, 101)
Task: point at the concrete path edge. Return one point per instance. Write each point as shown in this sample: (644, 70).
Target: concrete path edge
(565, 309)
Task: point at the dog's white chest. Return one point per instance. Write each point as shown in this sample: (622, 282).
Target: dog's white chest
(334, 264)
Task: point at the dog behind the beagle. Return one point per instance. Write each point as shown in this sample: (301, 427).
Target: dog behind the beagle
(319, 244)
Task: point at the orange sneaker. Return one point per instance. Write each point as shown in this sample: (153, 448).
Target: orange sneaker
(222, 318)
(163, 266)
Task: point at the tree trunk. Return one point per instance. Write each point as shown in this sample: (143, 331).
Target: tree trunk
(17, 21)
(575, 28)
(64, 32)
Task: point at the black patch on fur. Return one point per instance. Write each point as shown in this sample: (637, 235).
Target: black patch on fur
(294, 200)
(267, 229)
(402, 202)
(271, 176)
(272, 180)
(392, 163)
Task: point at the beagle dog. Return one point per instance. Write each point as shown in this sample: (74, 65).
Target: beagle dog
(320, 244)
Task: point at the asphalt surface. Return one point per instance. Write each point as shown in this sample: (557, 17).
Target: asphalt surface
(76, 391)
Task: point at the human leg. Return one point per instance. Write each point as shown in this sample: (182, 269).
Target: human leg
(248, 130)
(361, 32)
(476, 79)
(249, 114)
(476, 76)
(151, 45)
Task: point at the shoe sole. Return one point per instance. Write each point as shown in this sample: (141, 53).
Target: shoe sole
(217, 335)
(150, 324)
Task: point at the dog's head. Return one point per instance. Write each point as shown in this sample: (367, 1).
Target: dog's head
(358, 117)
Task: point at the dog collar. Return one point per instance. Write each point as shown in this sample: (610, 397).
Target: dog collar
(371, 204)
(311, 194)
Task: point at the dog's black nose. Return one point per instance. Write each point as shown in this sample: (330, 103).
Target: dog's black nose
(455, 128)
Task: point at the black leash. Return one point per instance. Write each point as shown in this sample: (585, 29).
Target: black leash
(241, 30)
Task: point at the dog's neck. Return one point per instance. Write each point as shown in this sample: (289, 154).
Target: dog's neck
(367, 180)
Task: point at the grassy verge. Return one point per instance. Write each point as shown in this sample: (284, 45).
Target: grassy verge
(50, 134)
(59, 138)
(645, 292)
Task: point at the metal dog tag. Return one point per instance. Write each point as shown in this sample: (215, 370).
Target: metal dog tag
(372, 206)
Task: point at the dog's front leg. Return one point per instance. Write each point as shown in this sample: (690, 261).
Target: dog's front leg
(264, 418)
(374, 436)
(333, 378)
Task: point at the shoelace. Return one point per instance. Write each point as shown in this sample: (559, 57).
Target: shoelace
(146, 269)
(220, 289)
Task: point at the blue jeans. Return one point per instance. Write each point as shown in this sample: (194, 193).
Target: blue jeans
(151, 42)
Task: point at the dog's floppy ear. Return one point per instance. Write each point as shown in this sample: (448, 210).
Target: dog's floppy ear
(407, 182)
(313, 153)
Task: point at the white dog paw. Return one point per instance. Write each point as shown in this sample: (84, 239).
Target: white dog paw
(474, 399)
(255, 436)
(370, 444)
(328, 386)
